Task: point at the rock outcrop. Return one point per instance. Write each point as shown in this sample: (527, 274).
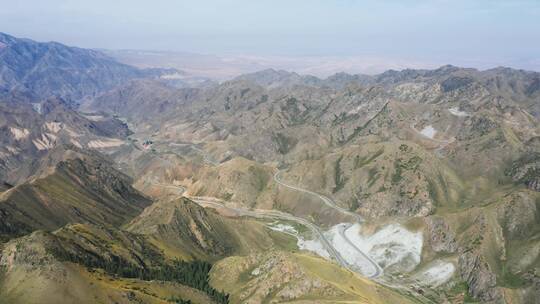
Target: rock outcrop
(481, 281)
(441, 237)
(526, 170)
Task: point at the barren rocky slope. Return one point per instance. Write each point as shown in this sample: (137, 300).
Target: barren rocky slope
(33, 132)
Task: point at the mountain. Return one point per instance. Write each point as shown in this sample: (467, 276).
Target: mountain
(50, 68)
(142, 98)
(81, 188)
(186, 227)
(285, 123)
(285, 277)
(88, 264)
(82, 261)
(271, 78)
(33, 132)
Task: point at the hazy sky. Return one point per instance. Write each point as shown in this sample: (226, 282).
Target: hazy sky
(454, 31)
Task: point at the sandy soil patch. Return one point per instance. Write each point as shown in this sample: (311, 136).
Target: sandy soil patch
(105, 143)
(19, 133)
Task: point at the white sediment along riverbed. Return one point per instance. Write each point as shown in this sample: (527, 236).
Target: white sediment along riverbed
(393, 247)
(436, 273)
(313, 245)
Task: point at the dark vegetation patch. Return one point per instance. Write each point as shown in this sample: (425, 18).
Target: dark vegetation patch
(284, 143)
(359, 162)
(401, 165)
(178, 300)
(194, 274)
(455, 82)
(339, 179)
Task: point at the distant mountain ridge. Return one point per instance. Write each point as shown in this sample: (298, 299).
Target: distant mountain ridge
(50, 68)
(451, 77)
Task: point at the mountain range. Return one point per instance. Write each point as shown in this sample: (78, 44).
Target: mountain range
(53, 69)
(119, 185)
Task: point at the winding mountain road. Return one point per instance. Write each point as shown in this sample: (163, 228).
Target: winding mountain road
(377, 270)
(374, 271)
(265, 214)
(327, 201)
